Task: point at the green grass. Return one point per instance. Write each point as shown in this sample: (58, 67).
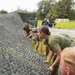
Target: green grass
(70, 24)
(39, 22)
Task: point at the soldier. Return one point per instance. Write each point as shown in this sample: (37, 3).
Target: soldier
(25, 29)
(67, 61)
(38, 41)
(55, 44)
(45, 22)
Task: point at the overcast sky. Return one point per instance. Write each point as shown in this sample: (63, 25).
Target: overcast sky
(11, 5)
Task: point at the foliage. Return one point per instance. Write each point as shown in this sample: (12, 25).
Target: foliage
(72, 15)
(64, 7)
(60, 9)
(43, 8)
(21, 11)
(3, 11)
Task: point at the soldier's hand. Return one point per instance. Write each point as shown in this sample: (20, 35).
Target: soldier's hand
(51, 68)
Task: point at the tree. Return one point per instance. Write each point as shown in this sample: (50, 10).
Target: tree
(52, 11)
(3, 11)
(43, 8)
(51, 8)
(63, 7)
(21, 11)
(72, 14)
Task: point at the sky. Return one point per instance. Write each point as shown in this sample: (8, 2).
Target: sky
(12, 5)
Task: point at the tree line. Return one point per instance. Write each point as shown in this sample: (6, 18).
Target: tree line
(52, 9)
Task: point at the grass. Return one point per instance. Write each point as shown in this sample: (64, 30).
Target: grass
(39, 22)
(70, 24)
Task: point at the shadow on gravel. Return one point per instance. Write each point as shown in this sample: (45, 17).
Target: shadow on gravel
(17, 56)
